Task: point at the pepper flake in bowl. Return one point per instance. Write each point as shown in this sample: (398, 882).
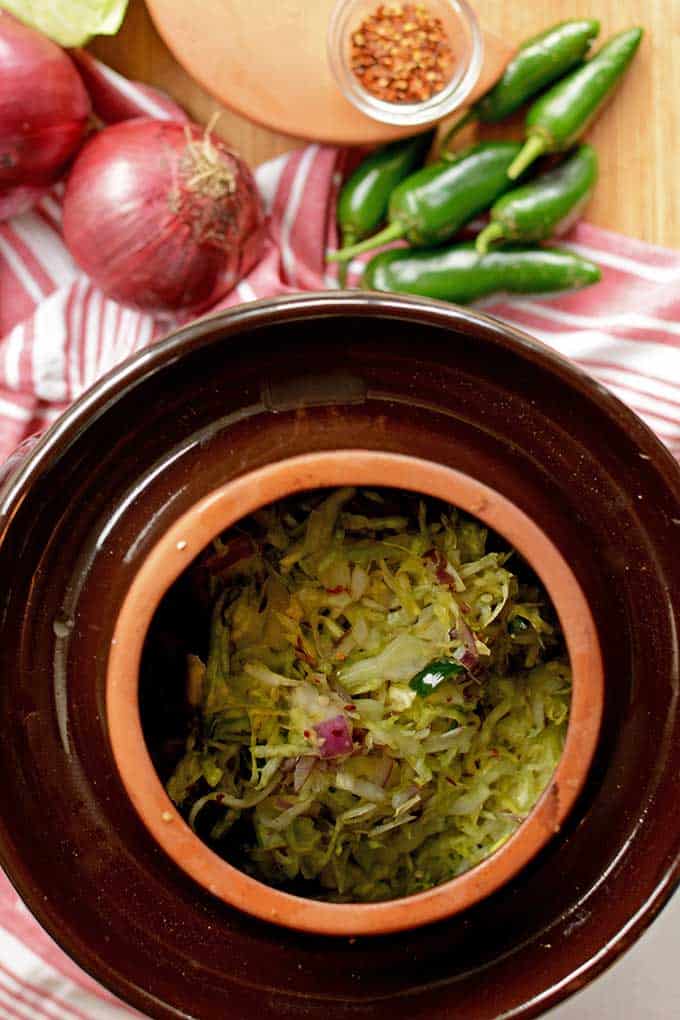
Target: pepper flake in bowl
(405, 63)
(402, 53)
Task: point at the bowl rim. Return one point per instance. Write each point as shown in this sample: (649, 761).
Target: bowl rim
(300, 306)
(207, 518)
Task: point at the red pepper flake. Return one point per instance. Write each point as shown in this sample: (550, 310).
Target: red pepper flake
(306, 734)
(350, 708)
(220, 798)
(402, 53)
(336, 591)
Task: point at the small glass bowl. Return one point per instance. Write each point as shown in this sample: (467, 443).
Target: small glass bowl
(460, 22)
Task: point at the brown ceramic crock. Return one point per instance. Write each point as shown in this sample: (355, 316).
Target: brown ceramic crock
(175, 551)
(231, 395)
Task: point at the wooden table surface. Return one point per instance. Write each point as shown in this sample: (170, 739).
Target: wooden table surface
(637, 137)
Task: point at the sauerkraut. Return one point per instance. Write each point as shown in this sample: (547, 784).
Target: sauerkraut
(385, 697)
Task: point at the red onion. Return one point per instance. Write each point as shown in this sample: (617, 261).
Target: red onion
(441, 565)
(44, 111)
(467, 654)
(161, 215)
(336, 736)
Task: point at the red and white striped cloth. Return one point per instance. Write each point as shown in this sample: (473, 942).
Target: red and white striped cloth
(58, 334)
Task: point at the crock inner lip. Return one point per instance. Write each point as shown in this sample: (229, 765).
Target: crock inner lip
(211, 515)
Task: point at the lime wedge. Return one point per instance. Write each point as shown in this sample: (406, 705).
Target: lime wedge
(69, 22)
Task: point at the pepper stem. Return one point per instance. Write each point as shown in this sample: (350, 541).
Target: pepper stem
(390, 233)
(492, 232)
(454, 129)
(349, 238)
(531, 150)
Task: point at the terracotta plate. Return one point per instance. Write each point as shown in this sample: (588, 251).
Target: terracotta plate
(224, 397)
(266, 59)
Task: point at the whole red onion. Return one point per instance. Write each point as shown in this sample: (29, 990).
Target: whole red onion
(161, 215)
(44, 111)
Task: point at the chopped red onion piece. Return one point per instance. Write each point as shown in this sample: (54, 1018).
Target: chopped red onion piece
(467, 655)
(336, 736)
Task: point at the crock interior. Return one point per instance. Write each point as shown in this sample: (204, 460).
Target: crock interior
(179, 547)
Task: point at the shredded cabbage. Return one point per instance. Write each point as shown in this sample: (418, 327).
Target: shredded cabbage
(318, 759)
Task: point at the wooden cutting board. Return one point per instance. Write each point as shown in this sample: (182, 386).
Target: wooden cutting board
(266, 59)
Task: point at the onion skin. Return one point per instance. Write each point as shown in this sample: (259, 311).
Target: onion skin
(44, 113)
(140, 223)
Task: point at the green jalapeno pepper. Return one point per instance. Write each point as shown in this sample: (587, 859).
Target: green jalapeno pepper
(560, 116)
(461, 274)
(545, 206)
(539, 62)
(434, 203)
(434, 674)
(363, 201)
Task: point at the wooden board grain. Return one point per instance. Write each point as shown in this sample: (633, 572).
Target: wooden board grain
(269, 62)
(637, 137)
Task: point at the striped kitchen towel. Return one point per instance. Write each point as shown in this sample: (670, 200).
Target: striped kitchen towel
(58, 334)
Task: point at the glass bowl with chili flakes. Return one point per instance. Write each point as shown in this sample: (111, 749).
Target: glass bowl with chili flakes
(405, 63)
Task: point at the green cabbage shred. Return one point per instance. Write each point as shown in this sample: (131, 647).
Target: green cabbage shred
(326, 610)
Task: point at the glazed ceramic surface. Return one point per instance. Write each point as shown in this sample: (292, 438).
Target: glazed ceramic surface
(229, 395)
